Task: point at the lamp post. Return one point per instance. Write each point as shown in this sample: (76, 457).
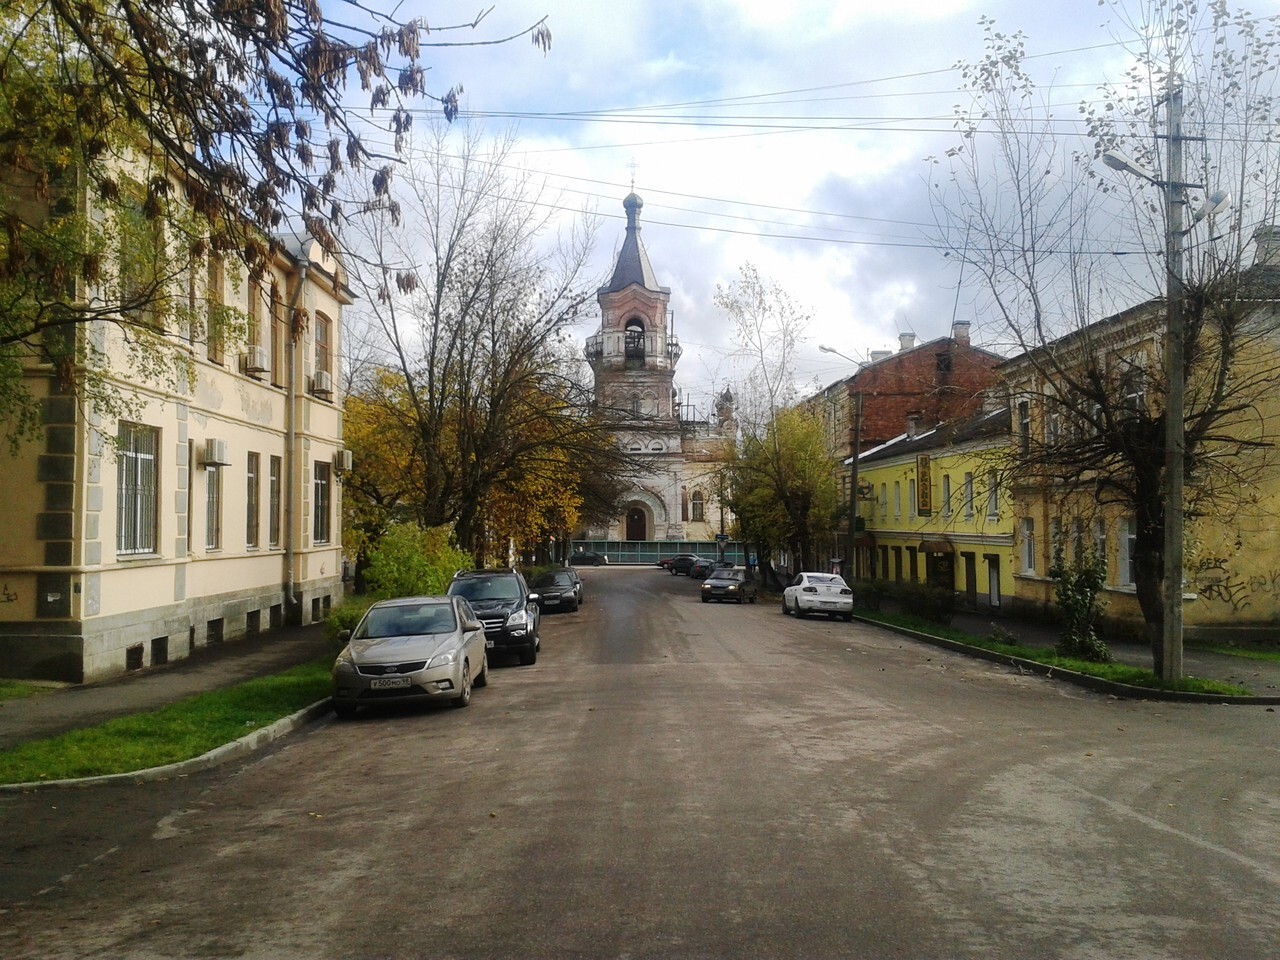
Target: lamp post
(1175, 367)
(855, 437)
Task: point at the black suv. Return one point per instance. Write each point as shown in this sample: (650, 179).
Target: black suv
(509, 612)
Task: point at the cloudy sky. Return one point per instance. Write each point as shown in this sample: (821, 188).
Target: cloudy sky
(791, 135)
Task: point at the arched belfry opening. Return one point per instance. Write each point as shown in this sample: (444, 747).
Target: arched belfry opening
(633, 343)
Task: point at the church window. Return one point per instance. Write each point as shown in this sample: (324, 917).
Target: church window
(635, 404)
(657, 446)
(684, 504)
(698, 512)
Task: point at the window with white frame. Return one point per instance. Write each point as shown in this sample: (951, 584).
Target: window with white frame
(884, 500)
(320, 500)
(1100, 539)
(697, 507)
(946, 494)
(136, 488)
(1128, 548)
(252, 483)
(212, 507)
(993, 495)
(274, 501)
(911, 499)
(1028, 545)
(897, 499)
(1024, 426)
(968, 496)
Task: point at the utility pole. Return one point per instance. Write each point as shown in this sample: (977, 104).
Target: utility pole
(1175, 398)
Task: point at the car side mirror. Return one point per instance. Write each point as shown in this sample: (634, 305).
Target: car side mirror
(470, 625)
(344, 636)
(533, 598)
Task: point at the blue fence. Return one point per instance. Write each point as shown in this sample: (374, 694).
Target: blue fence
(649, 551)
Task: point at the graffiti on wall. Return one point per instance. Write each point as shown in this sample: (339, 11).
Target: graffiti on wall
(1214, 582)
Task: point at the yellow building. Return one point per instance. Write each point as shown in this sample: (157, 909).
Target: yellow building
(198, 513)
(934, 510)
(1071, 399)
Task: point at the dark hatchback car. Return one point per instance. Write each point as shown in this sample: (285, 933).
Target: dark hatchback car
(733, 585)
(507, 608)
(701, 568)
(683, 563)
(556, 590)
(588, 558)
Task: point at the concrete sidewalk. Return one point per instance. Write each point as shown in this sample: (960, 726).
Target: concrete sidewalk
(1260, 677)
(210, 667)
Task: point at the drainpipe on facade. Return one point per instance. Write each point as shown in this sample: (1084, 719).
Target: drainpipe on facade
(291, 460)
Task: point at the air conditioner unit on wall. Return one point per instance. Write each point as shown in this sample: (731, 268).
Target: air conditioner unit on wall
(216, 453)
(322, 384)
(342, 461)
(256, 360)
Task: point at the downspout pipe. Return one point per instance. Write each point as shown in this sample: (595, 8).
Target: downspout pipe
(292, 614)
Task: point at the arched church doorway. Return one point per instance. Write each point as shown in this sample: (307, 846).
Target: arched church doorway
(637, 523)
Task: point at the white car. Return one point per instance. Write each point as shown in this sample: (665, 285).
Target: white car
(818, 593)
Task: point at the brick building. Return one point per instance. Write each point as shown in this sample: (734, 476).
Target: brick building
(918, 386)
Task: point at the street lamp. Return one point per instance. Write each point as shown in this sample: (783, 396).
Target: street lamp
(1175, 366)
(855, 432)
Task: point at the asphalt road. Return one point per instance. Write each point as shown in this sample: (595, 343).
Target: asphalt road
(675, 779)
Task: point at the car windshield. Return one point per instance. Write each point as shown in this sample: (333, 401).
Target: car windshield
(486, 588)
(731, 575)
(553, 580)
(406, 620)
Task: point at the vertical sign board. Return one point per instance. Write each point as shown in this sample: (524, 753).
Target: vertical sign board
(924, 486)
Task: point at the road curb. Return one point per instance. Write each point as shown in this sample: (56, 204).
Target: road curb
(219, 755)
(1098, 684)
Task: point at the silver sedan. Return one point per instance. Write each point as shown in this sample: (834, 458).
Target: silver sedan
(411, 649)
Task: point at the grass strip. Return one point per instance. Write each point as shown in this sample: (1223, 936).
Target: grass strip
(17, 690)
(177, 732)
(1116, 672)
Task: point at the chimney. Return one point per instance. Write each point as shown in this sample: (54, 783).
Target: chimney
(1267, 240)
(914, 418)
(878, 355)
(960, 332)
(906, 341)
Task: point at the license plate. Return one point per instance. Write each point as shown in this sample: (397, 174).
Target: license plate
(828, 603)
(489, 643)
(388, 683)
(551, 601)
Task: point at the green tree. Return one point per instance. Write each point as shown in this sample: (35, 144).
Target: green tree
(783, 487)
(413, 561)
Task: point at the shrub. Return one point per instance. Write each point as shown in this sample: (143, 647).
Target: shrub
(411, 561)
(1077, 586)
(346, 616)
(936, 604)
(866, 594)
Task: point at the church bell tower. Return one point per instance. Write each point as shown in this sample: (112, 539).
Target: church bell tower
(634, 354)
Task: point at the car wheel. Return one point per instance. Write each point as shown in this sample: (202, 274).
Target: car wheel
(785, 610)
(673, 571)
(482, 679)
(739, 601)
(344, 711)
(529, 655)
(464, 698)
(752, 599)
(848, 617)
(574, 608)
(706, 599)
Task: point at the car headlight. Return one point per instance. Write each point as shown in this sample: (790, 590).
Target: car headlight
(443, 659)
(518, 619)
(345, 662)
(732, 586)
